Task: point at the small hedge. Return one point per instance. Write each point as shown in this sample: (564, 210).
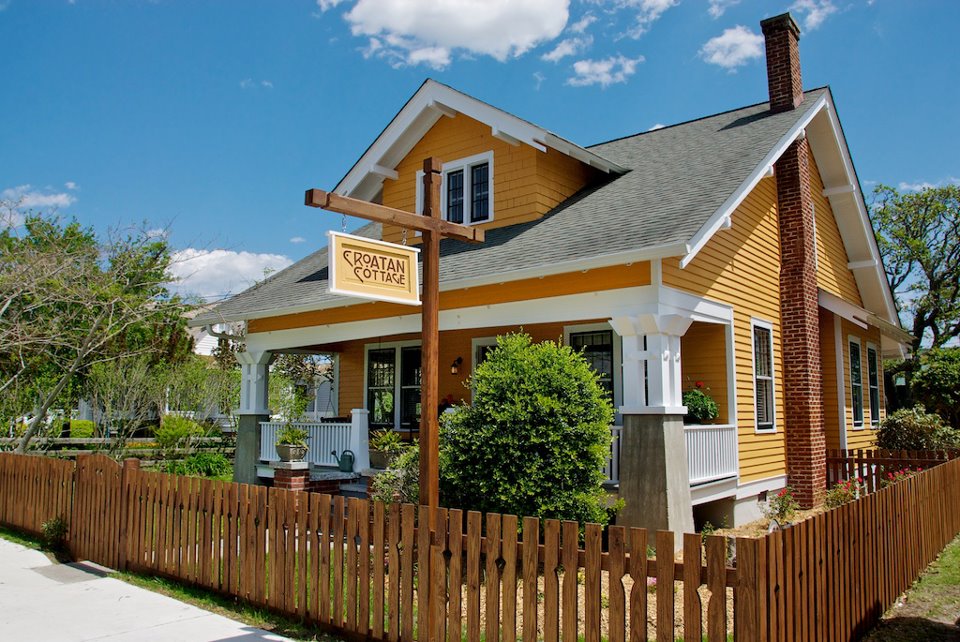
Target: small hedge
(81, 428)
(175, 431)
(212, 465)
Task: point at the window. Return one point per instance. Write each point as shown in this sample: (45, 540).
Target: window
(597, 349)
(394, 373)
(466, 196)
(873, 380)
(856, 382)
(763, 376)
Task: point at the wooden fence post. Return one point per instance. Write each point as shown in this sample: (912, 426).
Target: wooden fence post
(130, 466)
(749, 625)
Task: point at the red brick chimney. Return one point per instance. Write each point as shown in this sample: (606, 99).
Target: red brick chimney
(782, 36)
(800, 329)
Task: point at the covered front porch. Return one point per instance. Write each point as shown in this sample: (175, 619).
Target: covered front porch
(648, 344)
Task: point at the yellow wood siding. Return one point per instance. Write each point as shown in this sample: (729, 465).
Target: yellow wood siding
(741, 267)
(833, 275)
(828, 356)
(527, 183)
(608, 278)
(860, 436)
(703, 358)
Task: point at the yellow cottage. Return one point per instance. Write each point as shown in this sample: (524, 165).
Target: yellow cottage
(734, 251)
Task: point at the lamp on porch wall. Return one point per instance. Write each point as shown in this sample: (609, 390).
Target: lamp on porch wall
(455, 366)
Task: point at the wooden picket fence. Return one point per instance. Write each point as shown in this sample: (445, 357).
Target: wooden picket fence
(367, 570)
(873, 466)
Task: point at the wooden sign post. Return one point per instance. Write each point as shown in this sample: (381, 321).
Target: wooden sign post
(433, 228)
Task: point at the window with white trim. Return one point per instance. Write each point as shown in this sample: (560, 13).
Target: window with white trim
(856, 383)
(873, 380)
(466, 193)
(763, 377)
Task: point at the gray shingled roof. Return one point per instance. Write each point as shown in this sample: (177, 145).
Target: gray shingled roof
(679, 176)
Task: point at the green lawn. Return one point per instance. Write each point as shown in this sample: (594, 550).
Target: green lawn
(930, 610)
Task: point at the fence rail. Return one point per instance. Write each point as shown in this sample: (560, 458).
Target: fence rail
(370, 570)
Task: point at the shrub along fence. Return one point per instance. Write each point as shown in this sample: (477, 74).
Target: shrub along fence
(368, 570)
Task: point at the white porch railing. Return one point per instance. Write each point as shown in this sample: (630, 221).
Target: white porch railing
(324, 437)
(612, 469)
(711, 452)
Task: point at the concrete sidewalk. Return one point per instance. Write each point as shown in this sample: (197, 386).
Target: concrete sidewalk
(44, 601)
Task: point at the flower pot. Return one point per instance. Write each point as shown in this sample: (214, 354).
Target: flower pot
(291, 452)
(379, 459)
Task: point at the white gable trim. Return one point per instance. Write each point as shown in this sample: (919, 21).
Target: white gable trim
(720, 218)
(431, 102)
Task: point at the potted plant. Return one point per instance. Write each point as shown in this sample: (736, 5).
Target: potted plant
(385, 446)
(292, 443)
(701, 408)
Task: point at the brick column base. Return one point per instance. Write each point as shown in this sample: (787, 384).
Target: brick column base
(327, 486)
(291, 475)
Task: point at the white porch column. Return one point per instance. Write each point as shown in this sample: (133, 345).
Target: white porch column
(360, 438)
(254, 387)
(654, 479)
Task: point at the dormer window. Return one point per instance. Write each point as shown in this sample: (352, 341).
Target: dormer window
(466, 195)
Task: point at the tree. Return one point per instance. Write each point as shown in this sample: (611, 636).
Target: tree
(536, 438)
(69, 301)
(919, 238)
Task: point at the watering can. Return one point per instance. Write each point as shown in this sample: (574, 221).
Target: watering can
(345, 461)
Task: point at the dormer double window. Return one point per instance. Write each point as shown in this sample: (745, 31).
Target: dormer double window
(466, 194)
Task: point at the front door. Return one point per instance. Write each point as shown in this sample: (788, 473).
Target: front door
(393, 387)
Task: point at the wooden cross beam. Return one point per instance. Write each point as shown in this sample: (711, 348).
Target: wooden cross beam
(383, 214)
(433, 227)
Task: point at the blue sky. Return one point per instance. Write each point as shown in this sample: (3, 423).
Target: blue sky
(210, 119)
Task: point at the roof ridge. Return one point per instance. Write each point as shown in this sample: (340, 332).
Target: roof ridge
(694, 120)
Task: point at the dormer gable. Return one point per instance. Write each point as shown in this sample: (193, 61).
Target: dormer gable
(498, 169)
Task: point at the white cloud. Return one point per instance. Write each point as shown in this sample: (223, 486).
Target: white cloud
(816, 11)
(539, 77)
(648, 12)
(250, 83)
(734, 47)
(298, 239)
(605, 72)
(216, 273)
(328, 4)
(567, 47)
(410, 32)
(71, 185)
(919, 186)
(656, 127)
(581, 25)
(25, 197)
(719, 7)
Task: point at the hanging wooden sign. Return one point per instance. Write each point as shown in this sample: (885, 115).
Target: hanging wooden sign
(372, 269)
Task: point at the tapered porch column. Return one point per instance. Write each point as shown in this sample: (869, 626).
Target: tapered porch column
(654, 480)
(254, 387)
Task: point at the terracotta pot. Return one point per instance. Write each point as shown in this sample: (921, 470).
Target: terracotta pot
(290, 452)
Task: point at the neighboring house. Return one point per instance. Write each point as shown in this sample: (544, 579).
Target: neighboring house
(734, 250)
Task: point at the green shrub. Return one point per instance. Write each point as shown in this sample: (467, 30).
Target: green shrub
(536, 438)
(292, 436)
(81, 428)
(916, 429)
(845, 492)
(700, 405)
(400, 482)
(55, 534)
(782, 507)
(202, 465)
(176, 431)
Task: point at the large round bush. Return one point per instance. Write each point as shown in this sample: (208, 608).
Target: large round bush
(536, 438)
(916, 429)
